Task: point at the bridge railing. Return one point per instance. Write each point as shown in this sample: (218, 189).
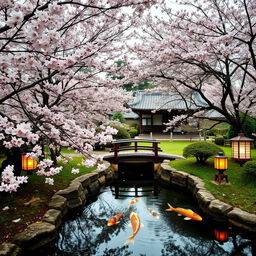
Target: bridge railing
(135, 147)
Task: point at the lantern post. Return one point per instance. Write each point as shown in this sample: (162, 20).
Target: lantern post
(221, 164)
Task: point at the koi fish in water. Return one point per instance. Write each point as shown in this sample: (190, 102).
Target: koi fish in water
(136, 224)
(153, 213)
(115, 219)
(188, 213)
(134, 201)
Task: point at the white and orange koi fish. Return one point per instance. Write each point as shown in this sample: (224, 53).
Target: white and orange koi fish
(134, 201)
(153, 213)
(136, 224)
(115, 219)
(189, 214)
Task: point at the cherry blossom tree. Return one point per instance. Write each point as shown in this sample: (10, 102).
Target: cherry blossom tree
(203, 51)
(53, 55)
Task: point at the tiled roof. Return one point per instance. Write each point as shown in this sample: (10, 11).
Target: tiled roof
(130, 115)
(158, 101)
(213, 114)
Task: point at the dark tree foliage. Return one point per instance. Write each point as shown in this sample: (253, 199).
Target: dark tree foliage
(248, 127)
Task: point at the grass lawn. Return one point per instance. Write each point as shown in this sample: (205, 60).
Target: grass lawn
(240, 193)
(35, 188)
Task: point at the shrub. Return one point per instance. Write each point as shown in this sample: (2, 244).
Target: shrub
(201, 151)
(121, 134)
(211, 132)
(250, 168)
(217, 132)
(119, 117)
(133, 132)
(219, 141)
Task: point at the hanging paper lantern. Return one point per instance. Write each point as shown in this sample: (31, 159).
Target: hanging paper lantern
(28, 164)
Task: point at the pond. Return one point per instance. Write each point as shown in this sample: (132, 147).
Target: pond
(170, 234)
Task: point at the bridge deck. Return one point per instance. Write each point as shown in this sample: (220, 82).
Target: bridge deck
(140, 156)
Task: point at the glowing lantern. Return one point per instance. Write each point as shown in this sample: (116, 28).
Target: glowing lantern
(241, 148)
(221, 235)
(221, 164)
(28, 164)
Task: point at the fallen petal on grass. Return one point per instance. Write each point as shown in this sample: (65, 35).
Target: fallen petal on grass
(17, 220)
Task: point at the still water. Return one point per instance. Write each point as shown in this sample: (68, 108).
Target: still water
(170, 235)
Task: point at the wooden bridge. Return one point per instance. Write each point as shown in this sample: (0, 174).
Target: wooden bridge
(133, 152)
(136, 162)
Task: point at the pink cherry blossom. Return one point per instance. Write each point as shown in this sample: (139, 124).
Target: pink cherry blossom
(75, 171)
(101, 167)
(10, 183)
(49, 181)
(15, 19)
(202, 51)
(89, 162)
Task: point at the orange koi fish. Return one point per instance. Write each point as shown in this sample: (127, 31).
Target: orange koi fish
(188, 213)
(136, 224)
(134, 201)
(115, 219)
(153, 213)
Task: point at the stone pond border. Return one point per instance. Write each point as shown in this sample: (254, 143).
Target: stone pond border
(210, 206)
(40, 234)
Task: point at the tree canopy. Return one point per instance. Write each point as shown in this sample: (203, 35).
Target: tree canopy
(203, 51)
(54, 57)
(53, 92)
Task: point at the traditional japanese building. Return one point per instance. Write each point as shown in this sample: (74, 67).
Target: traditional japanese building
(154, 109)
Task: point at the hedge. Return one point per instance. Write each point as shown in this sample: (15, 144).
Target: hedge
(201, 151)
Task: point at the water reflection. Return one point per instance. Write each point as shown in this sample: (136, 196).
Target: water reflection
(196, 247)
(84, 234)
(88, 233)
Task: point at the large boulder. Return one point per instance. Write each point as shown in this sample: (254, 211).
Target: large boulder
(35, 236)
(58, 203)
(74, 190)
(9, 249)
(204, 198)
(165, 173)
(194, 184)
(242, 219)
(100, 172)
(87, 179)
(102, 180)
(53, 216)
(94, 188)
(179, 179)
(218, 210)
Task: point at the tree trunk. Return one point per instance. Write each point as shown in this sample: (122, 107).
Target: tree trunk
(53, 156)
